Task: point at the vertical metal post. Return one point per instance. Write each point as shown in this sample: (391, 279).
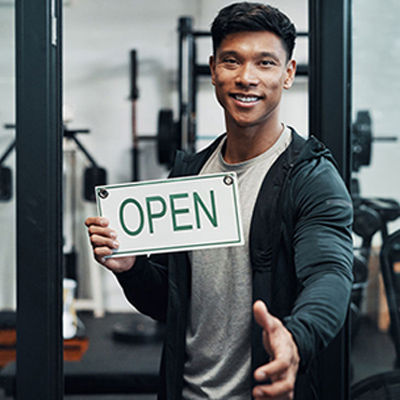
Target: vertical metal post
(133, 96)
(39, 168)
(330, 78)
(186, 84)
(192, 89)
(183, 21)
(330, 116)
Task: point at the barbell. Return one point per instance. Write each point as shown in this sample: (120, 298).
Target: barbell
(362, 139)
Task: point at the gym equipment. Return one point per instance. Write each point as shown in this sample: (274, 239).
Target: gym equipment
(388, 209)
(144, 330)
(167, 137)
(362, 139)
(170, 133)
(367, 222)
(5, 172)
(5, 176)
(93, 175)
(371, 215)
(133, 96)
(385, 386)
(389, 255)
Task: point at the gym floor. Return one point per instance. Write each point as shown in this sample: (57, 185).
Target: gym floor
(372, 352)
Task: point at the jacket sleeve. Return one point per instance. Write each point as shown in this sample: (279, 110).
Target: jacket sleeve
(323, 256)
(146, 285)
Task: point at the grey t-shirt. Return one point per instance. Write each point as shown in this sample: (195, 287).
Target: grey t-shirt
(218, 334)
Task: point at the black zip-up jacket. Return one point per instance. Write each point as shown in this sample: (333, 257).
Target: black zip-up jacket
(301, 256)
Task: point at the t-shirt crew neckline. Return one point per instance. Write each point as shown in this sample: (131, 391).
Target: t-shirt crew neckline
(275, 148)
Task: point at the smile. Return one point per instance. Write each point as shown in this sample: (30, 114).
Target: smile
(246, 98)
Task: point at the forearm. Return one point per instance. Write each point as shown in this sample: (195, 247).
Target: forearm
(146, 286)
(319, 313)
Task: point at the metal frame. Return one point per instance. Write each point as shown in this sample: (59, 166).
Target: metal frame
(330, 116)
(39, 194)
(186, 84)
(330, 78)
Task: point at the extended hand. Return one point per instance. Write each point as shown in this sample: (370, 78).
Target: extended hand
(282, 369)
(104, 240)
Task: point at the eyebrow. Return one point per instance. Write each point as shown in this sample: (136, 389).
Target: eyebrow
(261, 54)
(269, 54)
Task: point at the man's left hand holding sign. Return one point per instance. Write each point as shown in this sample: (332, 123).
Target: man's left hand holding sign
(104, 241)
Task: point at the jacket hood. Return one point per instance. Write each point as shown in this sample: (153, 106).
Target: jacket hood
(302, 150)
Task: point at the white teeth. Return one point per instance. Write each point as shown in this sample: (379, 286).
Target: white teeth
(246, 99)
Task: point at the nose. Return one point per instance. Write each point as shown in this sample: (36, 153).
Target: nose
(247, 76)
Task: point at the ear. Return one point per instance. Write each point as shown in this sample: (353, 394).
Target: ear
(211, 63)
(290, 74)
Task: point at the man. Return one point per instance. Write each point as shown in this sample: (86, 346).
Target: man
(222, 342)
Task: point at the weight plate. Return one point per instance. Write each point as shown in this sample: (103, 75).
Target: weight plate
(5, 184)
(362, 140)
(166, 140)
(94, 176)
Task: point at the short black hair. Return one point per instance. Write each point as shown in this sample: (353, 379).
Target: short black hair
(245, 16)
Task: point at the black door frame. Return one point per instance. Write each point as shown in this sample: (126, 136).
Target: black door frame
(330, 121)
(39, 194)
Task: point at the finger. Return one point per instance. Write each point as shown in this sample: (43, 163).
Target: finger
(263, 317)
(100, 221)
(101, 241)
(273, 370)
(282, 388)
(97, 230)
(101, 252)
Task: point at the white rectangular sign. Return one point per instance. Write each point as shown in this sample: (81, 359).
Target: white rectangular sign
(175, 214)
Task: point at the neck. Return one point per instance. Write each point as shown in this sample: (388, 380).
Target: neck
(245, 143)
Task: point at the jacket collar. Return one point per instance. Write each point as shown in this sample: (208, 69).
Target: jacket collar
(299, 151)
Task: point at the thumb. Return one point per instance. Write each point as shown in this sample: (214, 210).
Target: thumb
(262, 316)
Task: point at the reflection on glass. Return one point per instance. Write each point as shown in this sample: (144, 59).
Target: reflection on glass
(376, 191)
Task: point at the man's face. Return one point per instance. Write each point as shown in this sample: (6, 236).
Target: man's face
(249, 72)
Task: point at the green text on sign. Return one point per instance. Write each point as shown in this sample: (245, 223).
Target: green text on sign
(156, 207)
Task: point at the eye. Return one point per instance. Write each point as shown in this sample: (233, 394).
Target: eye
(229, 60)
(267, 63)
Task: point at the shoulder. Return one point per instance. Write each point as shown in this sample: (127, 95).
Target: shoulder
(317, 173)
(317, 188)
